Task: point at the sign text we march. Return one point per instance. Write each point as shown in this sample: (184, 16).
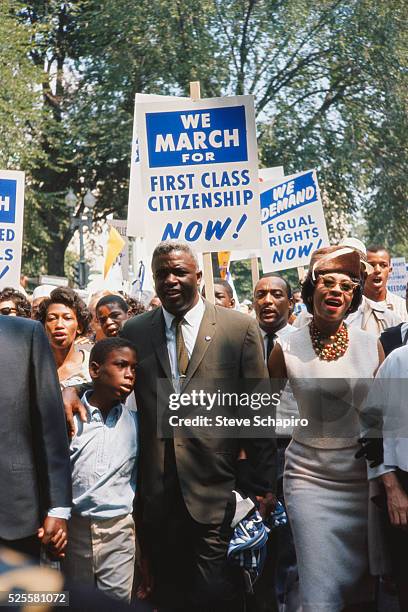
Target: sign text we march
(199, 174)
(11, 226)
(293, 223)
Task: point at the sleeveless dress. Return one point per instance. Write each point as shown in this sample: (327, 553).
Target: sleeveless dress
(325, 487)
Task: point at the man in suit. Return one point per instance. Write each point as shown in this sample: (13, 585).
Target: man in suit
(273, 303)
(186, 484)
(35, 475)
(396, 336)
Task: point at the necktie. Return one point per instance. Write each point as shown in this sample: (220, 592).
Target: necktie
(182, 354)
(269, 344)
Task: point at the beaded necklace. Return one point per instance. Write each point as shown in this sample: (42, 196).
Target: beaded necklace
(334, 350)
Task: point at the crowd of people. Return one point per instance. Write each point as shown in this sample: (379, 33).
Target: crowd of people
(97, 493)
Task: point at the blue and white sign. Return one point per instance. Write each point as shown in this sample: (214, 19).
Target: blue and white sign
(199, 172)
(11, 226)
(216, 136)
(293, 223)
(397, 280)
(135, 224)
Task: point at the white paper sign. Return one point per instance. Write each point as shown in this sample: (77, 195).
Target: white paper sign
(293, 223)
(397, 280)
(135, 225)
(11, 226)
(199, 173)
(265, 174)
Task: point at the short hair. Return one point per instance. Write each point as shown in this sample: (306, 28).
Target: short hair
(19, 300)
(112, 299)
(169, 246)
(68, 297)
(135, 306)
(287, 284)
(224, 283)
(103, 348)
(374, 248)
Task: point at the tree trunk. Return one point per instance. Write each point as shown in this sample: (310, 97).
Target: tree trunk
(55, 252)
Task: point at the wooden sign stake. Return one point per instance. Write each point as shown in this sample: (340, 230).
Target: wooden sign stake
(195, 94)
(254, 272)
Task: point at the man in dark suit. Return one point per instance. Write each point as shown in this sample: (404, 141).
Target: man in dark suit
(35, 475)
(396, 336)
(186, 483)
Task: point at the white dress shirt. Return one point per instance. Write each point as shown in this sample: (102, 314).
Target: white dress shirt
(388, 398)
(287, 407)
(282, 333)
(189, 328)
(397, 304)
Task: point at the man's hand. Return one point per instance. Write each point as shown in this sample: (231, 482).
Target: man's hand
(145, 589)
(267, 504)
(73, 405)
(53, 534)
(397, 500)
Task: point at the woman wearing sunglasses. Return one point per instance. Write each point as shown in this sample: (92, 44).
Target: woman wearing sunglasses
(326, 488)
(14, 304)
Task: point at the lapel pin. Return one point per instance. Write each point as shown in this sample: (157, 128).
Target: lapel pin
(207, 338)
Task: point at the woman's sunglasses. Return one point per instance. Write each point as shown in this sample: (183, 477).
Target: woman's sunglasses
(330, 282)
(8, 311)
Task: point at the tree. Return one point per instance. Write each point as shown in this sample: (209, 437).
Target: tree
(19, 98)
(328, 80)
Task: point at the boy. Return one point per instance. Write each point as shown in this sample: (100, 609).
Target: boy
(103, 461)
(112, 311)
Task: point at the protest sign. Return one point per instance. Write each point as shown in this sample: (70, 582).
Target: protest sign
(397, 280)
(11, 226)
(199, 174)
(275, 174)
(135, 225)
(293, 223)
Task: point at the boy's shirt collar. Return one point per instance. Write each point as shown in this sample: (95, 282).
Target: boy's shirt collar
(94, 413)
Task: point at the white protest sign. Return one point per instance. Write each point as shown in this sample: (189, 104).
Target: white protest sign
(275, 173)
(397, 280)
(135, 225)
(265, 174)
(11, 226)
(199, 172)
(293, 223)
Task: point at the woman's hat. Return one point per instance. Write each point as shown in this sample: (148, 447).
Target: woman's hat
(359, 246)
(342, 259)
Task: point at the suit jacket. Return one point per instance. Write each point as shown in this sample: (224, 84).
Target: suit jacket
(228, 345)
(391, 339)
(35, 471)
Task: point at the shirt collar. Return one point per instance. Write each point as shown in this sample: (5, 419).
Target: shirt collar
(277, 333)
(93, 410)
(377, 306)
(192, 317)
